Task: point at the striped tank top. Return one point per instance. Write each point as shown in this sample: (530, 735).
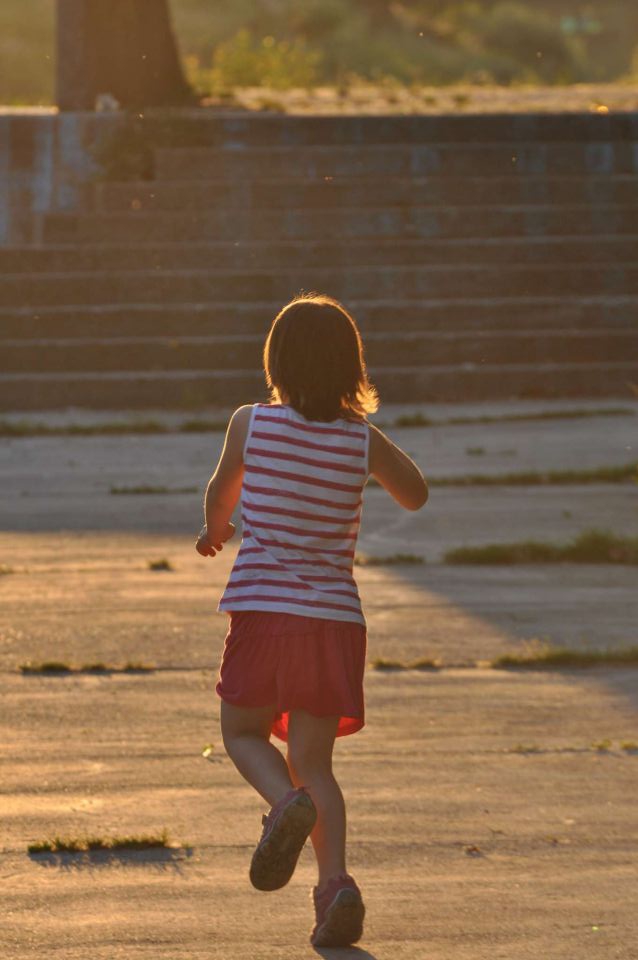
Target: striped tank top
(301, 500)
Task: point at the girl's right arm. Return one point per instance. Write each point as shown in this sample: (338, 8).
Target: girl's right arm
(395, 471)
(224, 487)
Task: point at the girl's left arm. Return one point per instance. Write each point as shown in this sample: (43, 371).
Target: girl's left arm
(224, 487)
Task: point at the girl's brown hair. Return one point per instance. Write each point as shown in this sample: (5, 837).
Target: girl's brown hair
(313, 360)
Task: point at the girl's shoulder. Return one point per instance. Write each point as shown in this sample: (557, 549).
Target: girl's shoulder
(242, 414)
(238, 426)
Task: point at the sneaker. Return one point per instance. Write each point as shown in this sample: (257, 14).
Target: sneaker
(286, 829)
(339, 913)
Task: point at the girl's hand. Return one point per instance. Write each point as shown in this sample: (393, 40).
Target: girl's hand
(207, 549)
(204, 548)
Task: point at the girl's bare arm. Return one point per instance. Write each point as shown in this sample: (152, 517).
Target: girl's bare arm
(396, 471)
(224, 487)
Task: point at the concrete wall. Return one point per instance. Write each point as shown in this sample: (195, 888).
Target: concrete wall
(45, 161)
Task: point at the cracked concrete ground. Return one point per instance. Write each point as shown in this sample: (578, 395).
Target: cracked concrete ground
(491, 813)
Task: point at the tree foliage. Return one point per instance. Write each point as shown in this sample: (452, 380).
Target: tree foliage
(325, 41)
(434, 41)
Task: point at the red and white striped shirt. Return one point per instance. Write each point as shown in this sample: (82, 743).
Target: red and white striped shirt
(301, 502)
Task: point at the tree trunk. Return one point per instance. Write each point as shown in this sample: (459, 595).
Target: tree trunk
(125, 48)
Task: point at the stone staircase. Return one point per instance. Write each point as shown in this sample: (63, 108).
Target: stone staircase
(484, 258)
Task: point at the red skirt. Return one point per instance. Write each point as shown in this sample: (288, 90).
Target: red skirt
(295, 663)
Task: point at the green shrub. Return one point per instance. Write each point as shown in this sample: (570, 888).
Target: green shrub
(244, 61)
(528, 44)
(327, 41)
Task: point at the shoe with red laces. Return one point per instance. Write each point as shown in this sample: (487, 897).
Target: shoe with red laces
(339, 913)
(286, 829)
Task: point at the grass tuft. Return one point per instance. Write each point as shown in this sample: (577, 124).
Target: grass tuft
(419, 420)
(622, 473)
(203, 426)
(53, 666)
(47, 666)
(26, 428)
(423, 664)
(381, 663)
(162, 564)
(86, 844)
(414, 420)
(42, 846)
(591, 546)
(565, 414)
(547, 657)
(363, 560)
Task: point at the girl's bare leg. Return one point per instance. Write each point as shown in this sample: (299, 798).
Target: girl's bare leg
(310, 744)
(246, 736)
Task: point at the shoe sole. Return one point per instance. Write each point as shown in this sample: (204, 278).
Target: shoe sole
(275, 859)
(343, 924)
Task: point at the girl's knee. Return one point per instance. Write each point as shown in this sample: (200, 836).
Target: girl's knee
(234, 739)
(238, 722)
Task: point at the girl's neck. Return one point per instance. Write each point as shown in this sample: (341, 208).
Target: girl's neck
(342, 415)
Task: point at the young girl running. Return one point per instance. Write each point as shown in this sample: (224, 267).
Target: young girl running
(295, 651)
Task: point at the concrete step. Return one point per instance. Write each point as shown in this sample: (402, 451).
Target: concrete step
(315, 224)
(484, 257)
(561, 158)
(91, 258)
(438, 281)
(564, 313)
(242, 129)
(382, 349)
(263, 194)
(195, 389)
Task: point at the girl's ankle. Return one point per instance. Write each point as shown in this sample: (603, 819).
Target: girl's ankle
(323, 883)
